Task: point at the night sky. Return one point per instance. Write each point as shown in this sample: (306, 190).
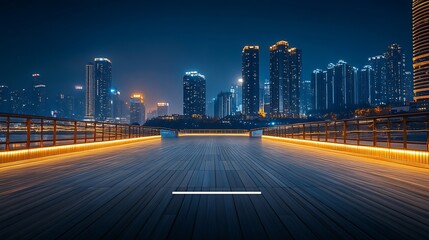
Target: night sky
(153, 43)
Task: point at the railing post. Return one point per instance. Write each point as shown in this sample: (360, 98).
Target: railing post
(345, 132)
(86, 129)
(75, 133)
(311, 132)
(7, 147)
(108, 132)
(303, 131)
(404, 119)
(54, 134)
(318, 132)
(28, 124)
(358, 132)
(326, 131)
(102, 132)
(95, 131)
(335, 131)
(374, 132)
(389, 129)
(129, 131)
(41, 132)
(292, 131)
(116, 131)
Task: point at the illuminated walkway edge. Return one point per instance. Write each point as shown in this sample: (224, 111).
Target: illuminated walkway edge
(11, 156)
(410, 157)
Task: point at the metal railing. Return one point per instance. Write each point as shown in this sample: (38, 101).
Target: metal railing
(214, 131)
(400, 131)
(26, 132)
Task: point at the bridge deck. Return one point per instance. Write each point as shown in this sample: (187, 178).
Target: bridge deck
(125, 192)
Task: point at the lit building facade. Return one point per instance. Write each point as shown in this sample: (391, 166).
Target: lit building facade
(395, 75)
(250, 76)
(39, 100)
(103, 85)
(137, 109)
(162, 108)
(223, 105)
(318, 83)
(266, 96)
(78, 102)
(378, 86)
(285, 80)
(366, 91)
(5, 104)
(89, 92)
(421, 53)
(194, 94)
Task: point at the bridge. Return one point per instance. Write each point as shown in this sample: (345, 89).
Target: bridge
(217, 185)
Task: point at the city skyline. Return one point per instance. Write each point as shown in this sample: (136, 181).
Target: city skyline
(218, 59)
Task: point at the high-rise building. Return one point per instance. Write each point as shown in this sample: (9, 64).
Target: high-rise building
(63, 106)
(318, 84)
(366, 91)
(223, 105)
(409, 86)
(266, 96)
(118, 106)
(421, 53)
(103, 86)
(306, 93)
(379, 86)
(237, 97)
(250, 76)
(356, 81)
(210, 107)
(395, 73)
(89, 92)
(39, 98)
(78, 102)
(285, 79)
(5, 104)
(137, 109)
(162, 109)
(331, 88)
(343, 85)
(194, 94)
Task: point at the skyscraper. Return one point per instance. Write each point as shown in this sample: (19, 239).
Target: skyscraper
(331, 89)
(5, 104)
(194, 94)
(378, 86)
(285, 79)
(118, 106)
(409, 85)
(162, 108)
(137, 109)
(250, 76)
(78, 102)
(395, 75)
(366, 90)
(223, 105)
(103, 85)
(39, 97)
(318, 82)
(237, 96)
(89, 92)
(266, 96)
(343, 85)
(421, 52)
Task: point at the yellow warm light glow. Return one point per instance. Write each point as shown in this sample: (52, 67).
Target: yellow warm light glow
(213, 134)
(411, 157)
(23, 154)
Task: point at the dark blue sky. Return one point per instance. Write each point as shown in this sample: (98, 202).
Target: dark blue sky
(152, 43)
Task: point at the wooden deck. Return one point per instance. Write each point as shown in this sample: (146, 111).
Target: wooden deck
(125, 192)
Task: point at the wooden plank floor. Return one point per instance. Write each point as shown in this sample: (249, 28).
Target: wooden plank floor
(125, 192)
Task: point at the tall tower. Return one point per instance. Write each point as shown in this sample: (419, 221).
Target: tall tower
(250, 76)
(103, 85)
(395, 75)
(39, 98)
(421, 52)
(378, 86)
(194, 94)
(365, 86)
(137, 109)
(318, 83)
(89, 92)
